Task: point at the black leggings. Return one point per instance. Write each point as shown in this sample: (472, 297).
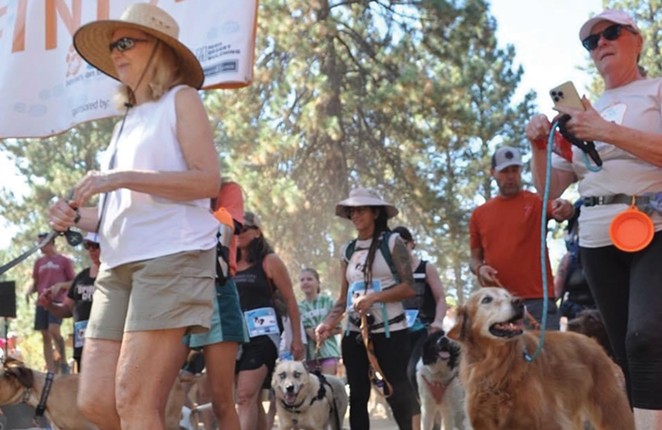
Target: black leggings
(627, 288)
(392, 354)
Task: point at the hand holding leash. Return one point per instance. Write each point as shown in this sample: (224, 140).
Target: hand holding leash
(587, 146)
(59, 229)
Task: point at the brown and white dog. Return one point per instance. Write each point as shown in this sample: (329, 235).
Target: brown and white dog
(20, 384)
(572, 379)
(307, 401)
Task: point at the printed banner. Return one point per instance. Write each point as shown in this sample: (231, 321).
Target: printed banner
(47, 88)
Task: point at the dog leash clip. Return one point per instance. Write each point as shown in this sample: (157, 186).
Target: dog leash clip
(587, 146)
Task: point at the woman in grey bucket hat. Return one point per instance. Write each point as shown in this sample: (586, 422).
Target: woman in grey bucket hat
(373, 289)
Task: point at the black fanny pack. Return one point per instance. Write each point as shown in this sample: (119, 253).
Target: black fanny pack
(372, 326)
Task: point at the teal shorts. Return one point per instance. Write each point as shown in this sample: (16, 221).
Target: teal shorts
(227, 321)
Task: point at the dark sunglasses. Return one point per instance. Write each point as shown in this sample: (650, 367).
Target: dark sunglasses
(90, 245)
(246, 228)
(124, 44)
(610, 33)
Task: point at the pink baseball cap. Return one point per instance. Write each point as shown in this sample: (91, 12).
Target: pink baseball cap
(612, 15)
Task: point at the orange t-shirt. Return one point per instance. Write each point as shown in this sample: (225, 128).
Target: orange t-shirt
(230, 201)
(508, 232)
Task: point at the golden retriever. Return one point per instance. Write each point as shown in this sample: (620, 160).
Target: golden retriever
(307, 401)
(20, 384)
(572, 380)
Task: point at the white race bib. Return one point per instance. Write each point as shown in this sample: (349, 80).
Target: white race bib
(357, 289)
(79, 333)
(261, 321)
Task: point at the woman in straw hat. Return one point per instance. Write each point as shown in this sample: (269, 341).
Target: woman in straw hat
(623, 272)
(156, 280)
(372, 290)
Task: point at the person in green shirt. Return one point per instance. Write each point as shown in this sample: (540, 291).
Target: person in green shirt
(313, 309)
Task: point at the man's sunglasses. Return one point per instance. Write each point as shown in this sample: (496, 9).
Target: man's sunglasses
(124, 44)
(610, 33)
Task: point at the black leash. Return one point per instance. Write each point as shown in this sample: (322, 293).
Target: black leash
(74, 238)
(41, 407)
(50, 236)
(587, 146)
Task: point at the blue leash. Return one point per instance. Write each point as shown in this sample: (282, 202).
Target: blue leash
(543, 241)
(543, 245)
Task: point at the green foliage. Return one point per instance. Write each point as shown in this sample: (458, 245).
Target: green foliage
(409, 97)
(406, 97)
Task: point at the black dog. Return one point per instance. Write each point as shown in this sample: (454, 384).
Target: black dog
(589, 322)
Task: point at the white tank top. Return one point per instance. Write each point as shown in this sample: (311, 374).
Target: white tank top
(137, 226)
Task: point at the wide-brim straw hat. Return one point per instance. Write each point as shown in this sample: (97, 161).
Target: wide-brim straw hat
(364, 197)
(91, 40)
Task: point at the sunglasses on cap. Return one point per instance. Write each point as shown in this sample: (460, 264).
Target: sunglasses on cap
(124, 44)
(90, 245)
(610, 33)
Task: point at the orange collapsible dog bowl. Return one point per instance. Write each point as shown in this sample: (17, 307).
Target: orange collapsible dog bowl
(631, 230)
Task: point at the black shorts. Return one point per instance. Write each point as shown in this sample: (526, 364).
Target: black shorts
(259, 351)
(43, 318)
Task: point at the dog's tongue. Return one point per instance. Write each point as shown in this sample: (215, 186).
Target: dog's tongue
(444, 355)
(290, 398)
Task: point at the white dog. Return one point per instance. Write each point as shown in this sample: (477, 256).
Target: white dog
(439, 387)
(308, 401)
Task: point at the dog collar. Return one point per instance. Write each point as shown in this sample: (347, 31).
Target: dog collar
(26, 395)
(41, 407)
(321, 393)
(292, 408)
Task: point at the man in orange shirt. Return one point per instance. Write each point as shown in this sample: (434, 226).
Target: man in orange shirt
(505, 237)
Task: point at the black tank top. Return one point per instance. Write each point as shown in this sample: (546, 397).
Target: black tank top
(254, 288)
(424, 299)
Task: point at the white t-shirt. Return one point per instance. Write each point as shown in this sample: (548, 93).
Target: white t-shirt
(382, 279)
(137, 226)
(636, 105)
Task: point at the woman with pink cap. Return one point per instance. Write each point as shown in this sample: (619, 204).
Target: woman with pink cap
(625, 125)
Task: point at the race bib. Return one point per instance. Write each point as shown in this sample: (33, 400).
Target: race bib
(357, 289)
(411, 315)
(79, 333)
(261, 321)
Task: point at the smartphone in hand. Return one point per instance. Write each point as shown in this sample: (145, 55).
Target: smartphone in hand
(565, 95)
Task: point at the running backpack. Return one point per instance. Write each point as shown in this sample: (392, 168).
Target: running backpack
(384, 249)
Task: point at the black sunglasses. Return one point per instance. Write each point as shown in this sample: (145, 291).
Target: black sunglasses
(244, 229)
(90, 245)
(124, 44)
(610, 33)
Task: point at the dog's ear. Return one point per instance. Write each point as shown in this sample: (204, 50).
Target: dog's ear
(459, 331)
(16, 369)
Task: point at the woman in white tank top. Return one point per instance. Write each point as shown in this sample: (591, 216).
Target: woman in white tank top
(157, 234)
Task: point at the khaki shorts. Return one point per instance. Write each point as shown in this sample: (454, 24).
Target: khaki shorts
(166, 292)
